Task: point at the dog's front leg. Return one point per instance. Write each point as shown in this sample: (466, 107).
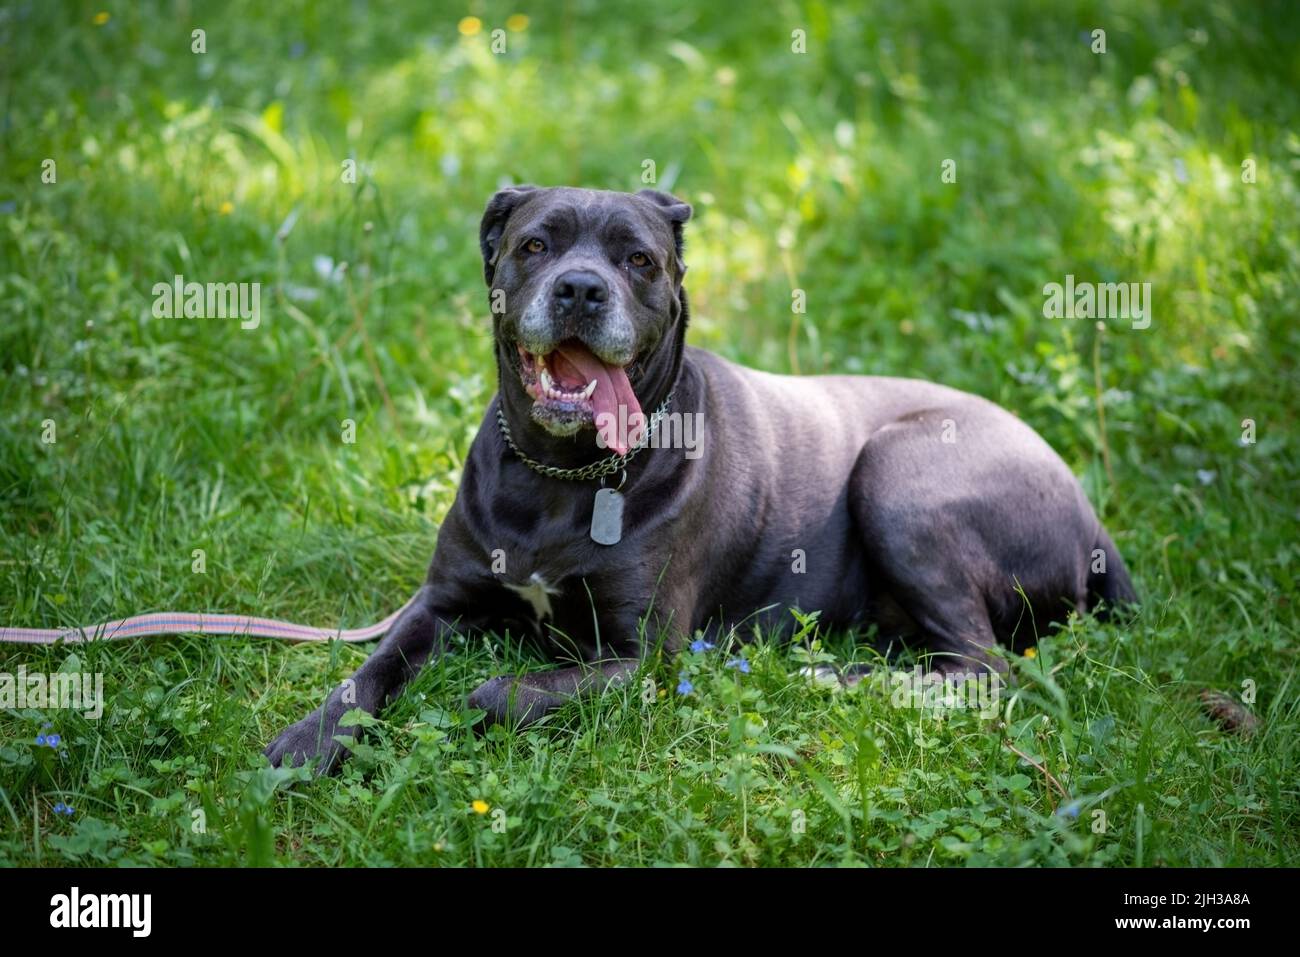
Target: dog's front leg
(522, 700)
(420, 633)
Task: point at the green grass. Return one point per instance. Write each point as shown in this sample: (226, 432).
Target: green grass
(818, 171)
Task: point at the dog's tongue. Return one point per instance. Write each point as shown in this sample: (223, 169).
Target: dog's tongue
(612, 389)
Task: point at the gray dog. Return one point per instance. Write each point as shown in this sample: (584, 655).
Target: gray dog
(926, 511)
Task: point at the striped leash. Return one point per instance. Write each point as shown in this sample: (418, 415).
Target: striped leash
(194, 623)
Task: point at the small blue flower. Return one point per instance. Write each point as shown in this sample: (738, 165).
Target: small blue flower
(40, 740)
(1070, 810)
(684, 686)
(46, 725)
(67, 809)
(741, 663)
(53, 740)
(700, 645)
(58, 808)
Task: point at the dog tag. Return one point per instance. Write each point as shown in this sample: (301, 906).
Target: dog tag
(607, 517)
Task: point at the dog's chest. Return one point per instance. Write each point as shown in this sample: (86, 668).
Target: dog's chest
(561, 609)
(538, 593)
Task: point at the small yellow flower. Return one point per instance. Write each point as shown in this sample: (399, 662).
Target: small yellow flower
(102, 18)
(469, 26)
(226, 208)
(480, 806)
(517, 23)
(1031, 652)
(662, 692)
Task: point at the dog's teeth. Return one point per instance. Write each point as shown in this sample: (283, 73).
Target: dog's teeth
(548, 388)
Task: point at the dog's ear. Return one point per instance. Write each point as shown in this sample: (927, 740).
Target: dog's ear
(677, 212)
(499, 208)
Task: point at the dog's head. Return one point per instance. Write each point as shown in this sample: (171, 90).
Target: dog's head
(585, 291)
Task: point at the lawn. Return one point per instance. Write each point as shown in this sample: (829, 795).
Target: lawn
(921, 172)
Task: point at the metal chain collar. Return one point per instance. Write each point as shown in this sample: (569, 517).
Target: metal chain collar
(599, 469)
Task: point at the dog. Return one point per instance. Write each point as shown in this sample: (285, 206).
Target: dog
(886, 501)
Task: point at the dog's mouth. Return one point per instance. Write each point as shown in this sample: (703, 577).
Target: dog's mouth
(572, 388)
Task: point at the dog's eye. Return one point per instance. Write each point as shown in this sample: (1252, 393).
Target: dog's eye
(535, 246)
(639, 260)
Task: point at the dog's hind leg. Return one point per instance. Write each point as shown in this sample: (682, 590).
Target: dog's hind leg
(956, 631)
(926, 558)
(1108, 580)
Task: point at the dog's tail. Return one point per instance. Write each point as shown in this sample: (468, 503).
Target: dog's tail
(1108, 581)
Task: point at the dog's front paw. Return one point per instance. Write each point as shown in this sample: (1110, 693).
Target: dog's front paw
(512, 701)
(492, 697)
(312, 737)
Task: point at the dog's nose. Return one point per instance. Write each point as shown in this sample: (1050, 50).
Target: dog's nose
(581, 291)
